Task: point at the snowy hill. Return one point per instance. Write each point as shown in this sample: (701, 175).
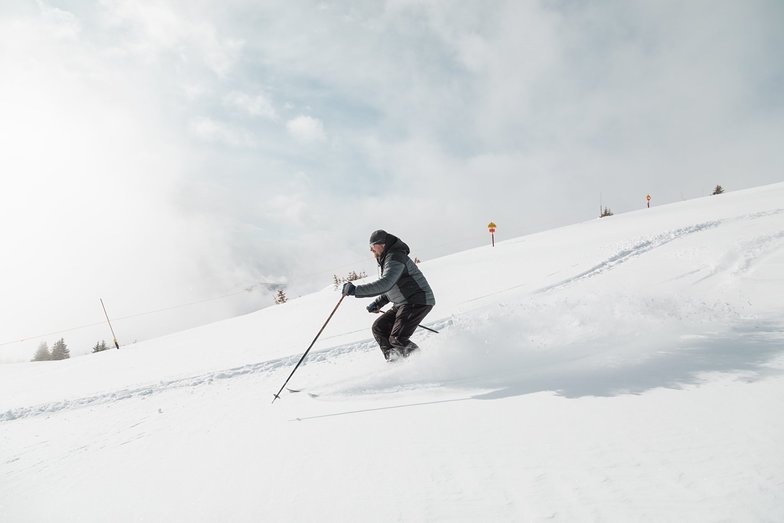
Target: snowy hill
(622, 369)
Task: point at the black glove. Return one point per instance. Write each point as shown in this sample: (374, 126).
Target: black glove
(349, 289)
(373, 308)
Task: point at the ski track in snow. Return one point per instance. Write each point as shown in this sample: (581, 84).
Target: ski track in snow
(632, 252)
(266, 368)
(751, 251)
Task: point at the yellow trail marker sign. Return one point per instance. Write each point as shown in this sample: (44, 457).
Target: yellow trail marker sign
(491, 228)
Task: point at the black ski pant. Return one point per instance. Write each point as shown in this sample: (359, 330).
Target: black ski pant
(395, 326)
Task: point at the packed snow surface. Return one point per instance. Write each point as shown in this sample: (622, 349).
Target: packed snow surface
(623, 369)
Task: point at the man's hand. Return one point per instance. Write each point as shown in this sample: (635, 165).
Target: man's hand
(349, 289)
(373, 308)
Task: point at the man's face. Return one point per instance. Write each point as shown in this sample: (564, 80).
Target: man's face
(377, 249)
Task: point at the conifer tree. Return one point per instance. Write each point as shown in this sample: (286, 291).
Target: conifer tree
(60, 350)
(718, 190)
(43, 353)
(280, 297)
(100, 346)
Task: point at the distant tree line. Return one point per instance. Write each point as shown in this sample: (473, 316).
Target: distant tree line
(60, 350)
(337, 281)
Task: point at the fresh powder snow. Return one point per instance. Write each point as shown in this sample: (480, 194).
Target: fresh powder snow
(629, 368)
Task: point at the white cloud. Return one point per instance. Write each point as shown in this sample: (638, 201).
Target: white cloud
(193, 92)
(93, 160)
(306, 129)
(62, 24)
(213, 131)
(255, 105)
(177, 30)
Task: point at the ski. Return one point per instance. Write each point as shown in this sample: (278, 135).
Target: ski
(296, 391)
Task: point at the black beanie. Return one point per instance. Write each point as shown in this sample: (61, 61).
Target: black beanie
(379, 236)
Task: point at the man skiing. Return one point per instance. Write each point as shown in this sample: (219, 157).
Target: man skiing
(401, 283)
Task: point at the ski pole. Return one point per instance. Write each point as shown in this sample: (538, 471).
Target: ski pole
(306, 352)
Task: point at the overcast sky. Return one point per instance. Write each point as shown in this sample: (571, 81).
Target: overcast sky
(166, 152)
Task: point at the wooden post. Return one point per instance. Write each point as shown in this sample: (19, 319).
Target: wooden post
(110, 324)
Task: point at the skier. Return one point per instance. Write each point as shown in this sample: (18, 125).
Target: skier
(401, 283)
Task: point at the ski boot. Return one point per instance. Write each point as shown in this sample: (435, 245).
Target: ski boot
(408, 349)
(391, 354)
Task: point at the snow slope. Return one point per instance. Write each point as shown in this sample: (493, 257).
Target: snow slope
(622, 369)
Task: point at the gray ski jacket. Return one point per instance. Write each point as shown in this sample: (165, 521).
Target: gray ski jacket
(401, 281)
